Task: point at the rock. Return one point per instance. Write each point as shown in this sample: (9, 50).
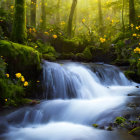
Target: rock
(109, 128)
(101, 127)
(34, 102)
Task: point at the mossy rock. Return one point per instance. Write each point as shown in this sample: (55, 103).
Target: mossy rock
(64, 45)
(66, 56)
(20, 58)
(80, 57)
(135, 131)
(120, 120)
(95, 125)
(49, 57)
(87, 53)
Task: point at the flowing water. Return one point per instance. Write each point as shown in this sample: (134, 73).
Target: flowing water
(76, 96)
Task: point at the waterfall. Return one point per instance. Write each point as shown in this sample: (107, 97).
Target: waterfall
(76, 96)
(74, 80)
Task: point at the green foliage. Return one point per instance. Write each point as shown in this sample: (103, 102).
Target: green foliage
(11, 91)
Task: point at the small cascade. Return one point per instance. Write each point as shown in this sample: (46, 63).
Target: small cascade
(109, 75)
(71, 81)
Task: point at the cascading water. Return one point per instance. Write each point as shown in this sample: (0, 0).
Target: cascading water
(78, 96)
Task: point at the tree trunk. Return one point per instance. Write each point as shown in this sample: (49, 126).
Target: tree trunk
(19, 33)
(73, 7)
(131, 12)
(101, 29)
(58, 12)
(43, 15)
(33, 13)
(123, 27)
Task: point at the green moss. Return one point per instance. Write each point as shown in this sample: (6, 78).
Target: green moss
(63, 45)
(135, 131)
(49, 57)
(95, 125)
(20, 58)
(120, 120)
(67, 56)
(87, 53)
(109, 128)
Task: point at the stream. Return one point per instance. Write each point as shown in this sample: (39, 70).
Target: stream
(76, 95)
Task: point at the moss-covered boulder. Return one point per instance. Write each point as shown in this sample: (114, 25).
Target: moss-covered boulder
(64, 45)
(20, 58)
(135, 131)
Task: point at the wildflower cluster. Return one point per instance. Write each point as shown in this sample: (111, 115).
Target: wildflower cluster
(19, 76)
(102, 40)
(31, 30)
(137, 27)
(137, 50)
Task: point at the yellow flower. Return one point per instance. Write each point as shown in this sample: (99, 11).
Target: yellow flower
(139, 43)
(36, 47)
(38, 81)
(7, 75)
(12, 7)
(134, 35)
(55, 36)
(41, 20)
(137, 28)
(34, 29)
(30, 30)
(26, 84)
(5, 100)
(46, 33)
(132, 25)
(83, 20)
(22, 79)
(18, 75)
